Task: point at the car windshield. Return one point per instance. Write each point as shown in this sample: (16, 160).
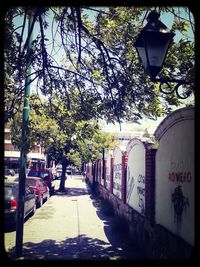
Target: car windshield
(8, 171)
(33, 173)
(44, 175)
(41, 174)
(8, 191)
(31, 182)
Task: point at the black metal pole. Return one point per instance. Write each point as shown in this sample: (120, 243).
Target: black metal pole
(23, 158)
(103, 161)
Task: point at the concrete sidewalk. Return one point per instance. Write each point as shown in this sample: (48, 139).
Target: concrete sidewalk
(71, 226)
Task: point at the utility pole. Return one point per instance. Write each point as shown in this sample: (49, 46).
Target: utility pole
(23, 155)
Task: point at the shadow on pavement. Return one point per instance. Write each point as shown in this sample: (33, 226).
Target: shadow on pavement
(116, 236)
(8, 228)
(73, 191)
(78, 248)
(76, 191)
(119, 237)
(83, 247)
(69, 192)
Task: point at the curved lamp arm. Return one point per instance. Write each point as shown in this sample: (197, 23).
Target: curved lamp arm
(176, 87)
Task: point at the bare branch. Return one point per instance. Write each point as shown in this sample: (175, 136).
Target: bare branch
(79, 32)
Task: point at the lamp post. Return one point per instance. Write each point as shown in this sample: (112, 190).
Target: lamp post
(152, 46)
(23, 155)
(90, 144)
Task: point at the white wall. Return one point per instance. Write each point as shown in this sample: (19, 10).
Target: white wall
(135, 186)
(117, 173)
(101, 172)
(108, 156)
(174, 190)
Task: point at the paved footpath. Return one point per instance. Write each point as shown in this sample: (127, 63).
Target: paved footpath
(71, 226)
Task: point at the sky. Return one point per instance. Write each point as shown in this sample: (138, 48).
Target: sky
(150, 125)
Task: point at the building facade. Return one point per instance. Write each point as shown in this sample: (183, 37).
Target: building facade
(35, 158)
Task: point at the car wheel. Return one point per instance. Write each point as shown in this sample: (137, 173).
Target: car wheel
(34, 209)
(52, 191)
(40, 202)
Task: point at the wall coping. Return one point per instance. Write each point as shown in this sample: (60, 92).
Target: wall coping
(179, 115)
(109, 153)
(136, 141)
(122, 148)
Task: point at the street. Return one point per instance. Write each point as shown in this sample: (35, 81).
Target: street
(71, 226)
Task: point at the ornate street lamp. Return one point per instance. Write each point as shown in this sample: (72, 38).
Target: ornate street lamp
(90, 144)
(152, 46)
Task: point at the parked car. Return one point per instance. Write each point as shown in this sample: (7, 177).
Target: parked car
(41, 190)
(69, 171)
(9, 172)
(46, 175)
(58, 174)
(11, 202)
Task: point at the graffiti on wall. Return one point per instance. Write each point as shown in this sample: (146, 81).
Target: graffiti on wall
(117, 180)
(136, 188)
(180, 203)
(182, 177)
(131, 184)
(141, 192)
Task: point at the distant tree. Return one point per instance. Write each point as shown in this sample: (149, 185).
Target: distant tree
(69, 145)
(63, 134)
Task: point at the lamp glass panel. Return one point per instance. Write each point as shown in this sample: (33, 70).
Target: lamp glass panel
(156, 45)
(90, 146)
(142, 53)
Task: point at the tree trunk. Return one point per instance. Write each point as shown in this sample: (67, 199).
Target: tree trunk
(63, 177)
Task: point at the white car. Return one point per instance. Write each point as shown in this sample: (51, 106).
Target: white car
(58, 174)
